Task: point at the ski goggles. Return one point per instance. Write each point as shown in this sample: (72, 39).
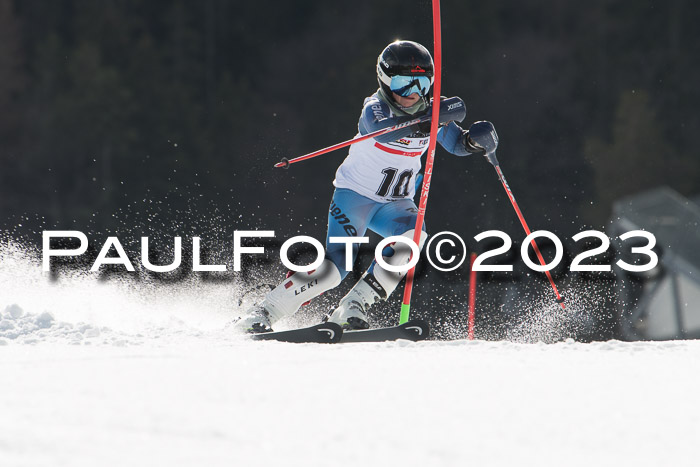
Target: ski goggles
(406, 85)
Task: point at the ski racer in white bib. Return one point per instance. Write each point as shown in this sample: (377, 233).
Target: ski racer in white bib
(374, 188)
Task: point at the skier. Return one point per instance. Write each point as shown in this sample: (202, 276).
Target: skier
(374, 188)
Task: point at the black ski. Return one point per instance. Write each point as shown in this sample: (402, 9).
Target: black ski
(414, 330)
(325, 333)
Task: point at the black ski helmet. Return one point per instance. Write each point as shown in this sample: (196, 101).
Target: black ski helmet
(403, 58)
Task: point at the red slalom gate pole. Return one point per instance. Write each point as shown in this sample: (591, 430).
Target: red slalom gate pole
(492, 159)
(285, 163)
(437, 46)
(472, 297)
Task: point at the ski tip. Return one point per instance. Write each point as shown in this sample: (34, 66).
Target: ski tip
(325, 333)
(334, 331)
(419, 328)
(413, 330)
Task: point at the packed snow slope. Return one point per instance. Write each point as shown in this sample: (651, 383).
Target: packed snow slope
(123, 373)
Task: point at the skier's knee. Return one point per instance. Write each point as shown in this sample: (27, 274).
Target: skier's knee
(423, 236)
(398, 253)
(337, 258)
(395, 254)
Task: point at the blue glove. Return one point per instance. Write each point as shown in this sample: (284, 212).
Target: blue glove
(482, 137)
(452, 110)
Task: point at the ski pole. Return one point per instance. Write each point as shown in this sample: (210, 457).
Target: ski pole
(472, 298)
(408, 288)
(491, 156)
(285, 163)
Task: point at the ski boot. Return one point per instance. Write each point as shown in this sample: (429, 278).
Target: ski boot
(352, 309)
(256, 320)
(350, 315)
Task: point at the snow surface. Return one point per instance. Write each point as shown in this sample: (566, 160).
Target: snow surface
(123, 373)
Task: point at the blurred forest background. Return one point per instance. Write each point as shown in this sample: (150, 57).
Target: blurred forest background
(126, 116)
